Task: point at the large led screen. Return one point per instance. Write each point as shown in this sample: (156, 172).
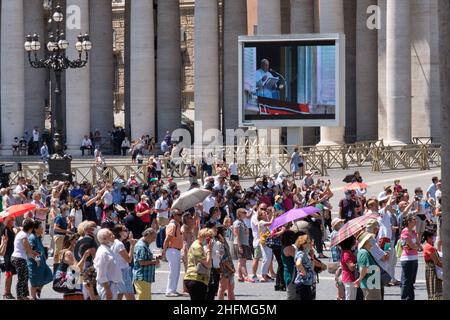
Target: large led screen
(295, 80)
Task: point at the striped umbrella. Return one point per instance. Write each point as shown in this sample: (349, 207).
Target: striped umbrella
(352, 227)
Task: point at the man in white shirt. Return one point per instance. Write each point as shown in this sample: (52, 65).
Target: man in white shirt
(109, 274)
(386, 236)
(208, 203)
(234, 173)
(20, 191)
(261, 76)
(164, 146)
(257, 255)
(162, 209)
(86, 144)
(36, 137)
(438, 194)
(107, 196)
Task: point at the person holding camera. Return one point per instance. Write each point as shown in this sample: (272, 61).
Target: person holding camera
(349, 206)
(418, 209)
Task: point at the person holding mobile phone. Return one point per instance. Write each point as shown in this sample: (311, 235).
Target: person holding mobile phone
(144, 265)
(197, 275)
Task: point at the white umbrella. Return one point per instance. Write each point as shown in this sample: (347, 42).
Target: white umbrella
(190, 199)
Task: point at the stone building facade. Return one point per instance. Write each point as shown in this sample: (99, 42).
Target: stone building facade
(180, 56)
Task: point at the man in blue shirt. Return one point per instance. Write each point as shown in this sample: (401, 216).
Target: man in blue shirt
(431, 191)
(144, 266)
(76, 192)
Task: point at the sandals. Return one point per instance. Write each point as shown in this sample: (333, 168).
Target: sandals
(266, 278)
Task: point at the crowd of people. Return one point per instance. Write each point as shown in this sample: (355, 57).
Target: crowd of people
(103, 237)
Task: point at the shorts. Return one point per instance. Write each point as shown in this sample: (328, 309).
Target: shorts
(143, 290)
(257, 254)
(162, 222)
(246, 252)
(59, 242)
(234, 177)
(127, 286)
(420, 225)
(9, 268)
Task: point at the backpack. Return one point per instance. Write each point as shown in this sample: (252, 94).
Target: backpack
(160, 237)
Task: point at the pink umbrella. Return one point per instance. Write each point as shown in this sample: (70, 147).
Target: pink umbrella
(292, 215)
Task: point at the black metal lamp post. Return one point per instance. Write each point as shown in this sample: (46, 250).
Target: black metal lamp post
(56, 59)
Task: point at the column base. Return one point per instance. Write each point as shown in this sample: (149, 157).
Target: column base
(329, 143)
(294, 138)
(75, 151)
(395, 143)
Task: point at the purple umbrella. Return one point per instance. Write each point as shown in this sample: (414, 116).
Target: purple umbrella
(292, 215)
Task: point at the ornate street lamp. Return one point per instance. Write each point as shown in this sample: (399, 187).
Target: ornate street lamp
(56, 59)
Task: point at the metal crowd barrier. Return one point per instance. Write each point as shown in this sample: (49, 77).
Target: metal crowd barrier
(257, 160)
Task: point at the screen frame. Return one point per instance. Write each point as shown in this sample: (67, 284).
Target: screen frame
(338, 38)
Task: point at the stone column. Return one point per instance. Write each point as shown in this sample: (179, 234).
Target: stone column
(77, 89)
(398, 72)
(168, 68)
(302, 16)
(142, 69)
(382, 123)
(302, 21)
(102, 66)
(12, 79)
(206, 65)
(444, 60)
(366, 75)
(331, 21)
(36, 88)
(269, 17)
(235, 25)
(435, 91)
(425, 75)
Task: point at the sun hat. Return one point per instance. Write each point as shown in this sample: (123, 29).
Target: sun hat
(336, 221)
(363, 238)
(371, 225)
(277, 197)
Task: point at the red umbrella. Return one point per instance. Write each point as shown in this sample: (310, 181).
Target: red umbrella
(17, 210)
(355, 186)
(352, 227)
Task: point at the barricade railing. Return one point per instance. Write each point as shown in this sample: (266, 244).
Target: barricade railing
(254, 161)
